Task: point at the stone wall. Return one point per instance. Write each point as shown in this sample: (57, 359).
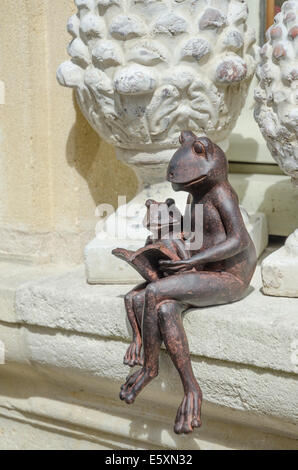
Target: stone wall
(54, 170)
(63, 339)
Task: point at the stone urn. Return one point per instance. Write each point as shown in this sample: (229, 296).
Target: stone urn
(143, 71)
(276, 112)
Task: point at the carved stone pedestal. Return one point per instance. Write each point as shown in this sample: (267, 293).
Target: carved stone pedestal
(143, 71)
(280, 270)
(276, 112)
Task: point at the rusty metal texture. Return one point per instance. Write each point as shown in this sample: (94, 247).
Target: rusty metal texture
(218, 273)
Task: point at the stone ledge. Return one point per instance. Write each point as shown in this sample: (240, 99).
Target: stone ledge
(49, 416)
(75, 335)
(259, 331)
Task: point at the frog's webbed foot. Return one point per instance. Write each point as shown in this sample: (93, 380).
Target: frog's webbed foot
(135, 384)
(189, 413)
(133, 356)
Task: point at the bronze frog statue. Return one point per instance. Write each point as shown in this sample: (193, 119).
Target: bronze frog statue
(219, 272)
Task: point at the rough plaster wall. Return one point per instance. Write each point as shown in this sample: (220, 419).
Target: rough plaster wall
(21, 147)
(54, 170)
(89, 173)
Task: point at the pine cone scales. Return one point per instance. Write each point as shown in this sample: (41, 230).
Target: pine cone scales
(276, 109)
(144, 70)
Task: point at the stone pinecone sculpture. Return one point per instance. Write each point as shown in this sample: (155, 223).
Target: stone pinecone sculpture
(144, 70)
(276, 109)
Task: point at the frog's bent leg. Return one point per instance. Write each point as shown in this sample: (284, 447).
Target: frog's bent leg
(134, 304)
(171, 327)
(164, 301)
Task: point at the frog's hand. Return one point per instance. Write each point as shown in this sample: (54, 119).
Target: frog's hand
(182, 252)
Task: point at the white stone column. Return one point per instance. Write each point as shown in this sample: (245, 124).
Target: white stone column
(144, 71)
(277, 115)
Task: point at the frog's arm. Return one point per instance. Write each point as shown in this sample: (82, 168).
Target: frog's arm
(226, 202)
(182, 252)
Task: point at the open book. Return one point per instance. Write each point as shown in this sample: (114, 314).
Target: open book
(146, 260)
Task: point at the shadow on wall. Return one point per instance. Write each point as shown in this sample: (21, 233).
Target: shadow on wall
(249, 149)
(275, 201)
(96, 162)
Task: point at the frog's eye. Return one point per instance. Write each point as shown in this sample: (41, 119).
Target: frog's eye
(199, 148)
(170, 202)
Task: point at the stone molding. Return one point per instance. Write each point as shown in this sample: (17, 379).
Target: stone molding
(276, 109)
(144, 71)
(65, 341)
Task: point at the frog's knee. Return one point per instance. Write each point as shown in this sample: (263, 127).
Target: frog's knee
(138, 300)
(128, 298)
(164, 310)
(152, 290)
(167, 309)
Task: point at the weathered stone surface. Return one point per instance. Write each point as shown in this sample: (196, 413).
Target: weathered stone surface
(125, 27)
(148, 33)
(73, 26)
(277, 72)
(84, 4)
(42, 409)
(170, 24)
(107, 3)
(135, 80)
(212, 18)
(293, 33)
(238, 14)
(231, 70)
(234, 40)
(280, 270)
(70, 74)
(196, 48)
(79, 52)
(74, 335)
(257, 331)
(279, 52)
(151, 69)
(276, 32)
(107, 54)
(92, 26)
(148, 53)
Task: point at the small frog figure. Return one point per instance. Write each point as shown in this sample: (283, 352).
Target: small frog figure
(216, 273)
(165, 222)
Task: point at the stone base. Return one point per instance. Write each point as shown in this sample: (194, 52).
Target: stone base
(64, 343)
(280, 270)
(103, 268)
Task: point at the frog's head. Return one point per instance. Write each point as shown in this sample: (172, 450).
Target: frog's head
(162, 216)
(198, 163)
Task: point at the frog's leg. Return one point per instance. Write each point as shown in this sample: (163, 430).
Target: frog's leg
(164, 301)
(134, 304)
